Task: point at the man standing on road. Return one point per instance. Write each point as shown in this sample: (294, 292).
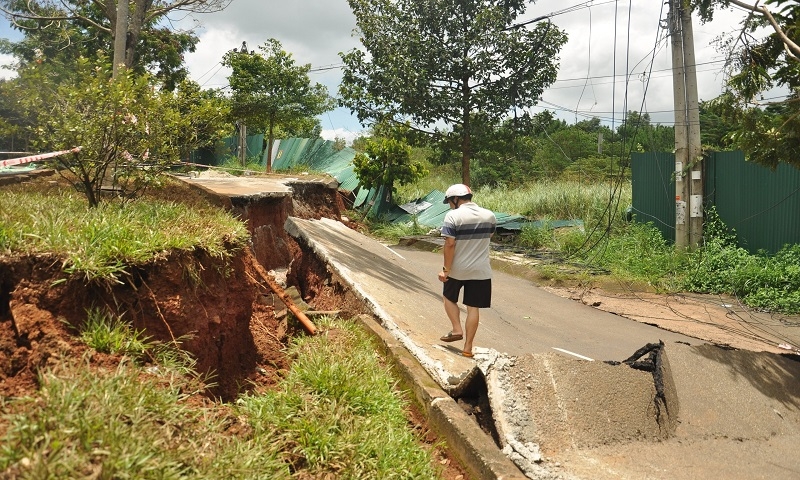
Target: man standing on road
(467, 231)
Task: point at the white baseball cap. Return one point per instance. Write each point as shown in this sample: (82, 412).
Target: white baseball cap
(457, 190)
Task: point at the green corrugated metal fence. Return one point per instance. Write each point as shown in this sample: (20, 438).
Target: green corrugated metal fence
(319, 155)
(227, 148)
(322, 156)
(762, 205)
(653, 191)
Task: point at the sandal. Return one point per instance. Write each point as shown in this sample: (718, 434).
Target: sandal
(467, 354)
(451, 337)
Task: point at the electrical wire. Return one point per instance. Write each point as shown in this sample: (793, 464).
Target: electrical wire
(588, 68)
(615, 196)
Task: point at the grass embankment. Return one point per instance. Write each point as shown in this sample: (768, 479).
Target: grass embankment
(100, 242)
(624, 251)
(336, 414)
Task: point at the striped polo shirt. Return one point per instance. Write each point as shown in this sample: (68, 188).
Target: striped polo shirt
(472, 227)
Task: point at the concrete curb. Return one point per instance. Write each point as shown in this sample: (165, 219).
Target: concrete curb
(475, 450)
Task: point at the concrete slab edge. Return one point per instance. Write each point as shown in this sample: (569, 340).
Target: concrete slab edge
(434, 367)
(474, 448)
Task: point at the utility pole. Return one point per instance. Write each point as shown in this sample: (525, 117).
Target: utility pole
(695, 147)
(242, 143)
(688, 162)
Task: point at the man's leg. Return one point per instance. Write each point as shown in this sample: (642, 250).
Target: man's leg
(451, 309)
(471, 326)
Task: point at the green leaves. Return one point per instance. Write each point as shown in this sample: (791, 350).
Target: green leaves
(269, 89)
(440, 62)
(765, 129)
(271, 92)
(126, 127)
(387, 161)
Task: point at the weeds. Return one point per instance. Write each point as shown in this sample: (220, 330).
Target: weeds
(338, 413)
(110, 334)
(394, 231)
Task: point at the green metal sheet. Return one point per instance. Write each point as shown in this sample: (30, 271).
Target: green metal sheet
(761, 204)
(323, 156)
(653, 191)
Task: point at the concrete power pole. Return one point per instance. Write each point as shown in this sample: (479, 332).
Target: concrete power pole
(688, 161)
(242, 143)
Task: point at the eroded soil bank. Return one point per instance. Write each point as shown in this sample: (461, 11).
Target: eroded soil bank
(221, 311)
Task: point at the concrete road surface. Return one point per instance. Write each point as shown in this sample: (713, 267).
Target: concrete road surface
(401, 285)
(560, 412)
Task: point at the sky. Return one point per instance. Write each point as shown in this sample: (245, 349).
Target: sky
(606, 40)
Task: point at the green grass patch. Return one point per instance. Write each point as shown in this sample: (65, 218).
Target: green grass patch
(392, 232)
(110, 334)
(100, 242)
(337, 414)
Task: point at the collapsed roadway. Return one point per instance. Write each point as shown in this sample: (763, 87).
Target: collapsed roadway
(658, 405)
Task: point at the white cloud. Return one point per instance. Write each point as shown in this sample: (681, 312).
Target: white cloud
(6, 73)
(593, 63)
(340, 133)
(600, 50)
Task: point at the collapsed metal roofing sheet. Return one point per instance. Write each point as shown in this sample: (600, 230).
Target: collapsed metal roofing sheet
(321, 155)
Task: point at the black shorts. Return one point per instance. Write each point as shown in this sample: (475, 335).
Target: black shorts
(477, 293)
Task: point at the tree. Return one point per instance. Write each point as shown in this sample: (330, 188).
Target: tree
(714, 130)
(85, 27)
(206, 114)
(386, 161)
(441, 62)
(125, 127)
(637, 134)
(270, 91)
(766, 132)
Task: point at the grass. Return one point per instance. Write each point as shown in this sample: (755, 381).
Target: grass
(98, 243)
(337, 414)
(610, 247)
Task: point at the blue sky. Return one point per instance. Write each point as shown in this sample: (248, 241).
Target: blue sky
(604, 44)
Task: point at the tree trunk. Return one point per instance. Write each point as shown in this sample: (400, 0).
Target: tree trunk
(466, 150)
(466, 144)
(120, 36)
(141, 7)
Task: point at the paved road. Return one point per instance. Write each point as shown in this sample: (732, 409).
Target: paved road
(527, 319)
(401, 286)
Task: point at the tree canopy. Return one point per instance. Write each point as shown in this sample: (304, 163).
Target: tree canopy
(767, 130)
(71, 29)
(270, 90)
(440, 63)
(125, 128)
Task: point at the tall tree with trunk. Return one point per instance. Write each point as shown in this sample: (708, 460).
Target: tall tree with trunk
(271, 91)
(128, 29)
(441, 63)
